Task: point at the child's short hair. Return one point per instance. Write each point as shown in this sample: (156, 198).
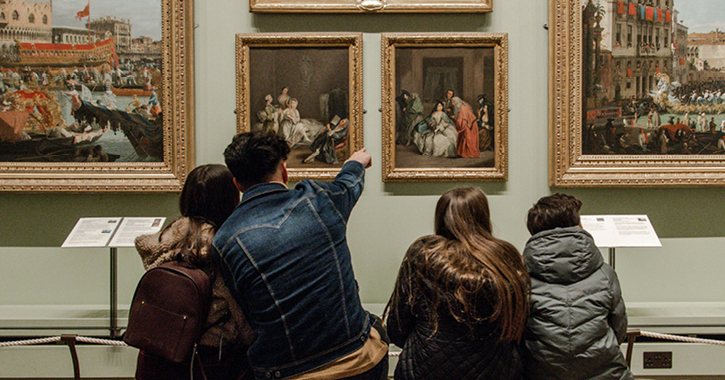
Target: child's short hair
(558, 210)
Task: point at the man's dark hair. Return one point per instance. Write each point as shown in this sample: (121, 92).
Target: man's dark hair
(253, 157)
(558, 210)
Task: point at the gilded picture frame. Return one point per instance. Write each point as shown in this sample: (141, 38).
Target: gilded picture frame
(370, 6)
(617, 116)
(160, 164)
(307, 88)
(445, 107)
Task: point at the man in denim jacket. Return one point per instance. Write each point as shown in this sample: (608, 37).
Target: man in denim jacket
(284, 254)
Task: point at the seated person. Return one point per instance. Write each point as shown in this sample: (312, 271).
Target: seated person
(577, 319)
(207, 199)
(461, 298)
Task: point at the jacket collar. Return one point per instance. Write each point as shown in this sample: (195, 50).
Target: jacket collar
(262, 189)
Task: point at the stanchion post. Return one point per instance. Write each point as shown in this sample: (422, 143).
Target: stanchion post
(114, 293)
(611, 256)
(70, 340)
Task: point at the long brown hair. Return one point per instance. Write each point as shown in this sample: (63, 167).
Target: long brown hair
(476, 276)
(208, 198)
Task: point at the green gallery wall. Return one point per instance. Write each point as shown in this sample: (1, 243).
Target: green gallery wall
(389, 216)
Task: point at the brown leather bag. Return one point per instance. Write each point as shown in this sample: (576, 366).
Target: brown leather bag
(169, 310)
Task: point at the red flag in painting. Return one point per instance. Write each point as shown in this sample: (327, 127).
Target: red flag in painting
(620, 7)
(659, 15)
(668, 16)
(649, 14)
(629, 73)
(632, 9)
(85, 12)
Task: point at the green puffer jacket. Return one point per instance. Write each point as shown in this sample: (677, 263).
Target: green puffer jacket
(578, 318)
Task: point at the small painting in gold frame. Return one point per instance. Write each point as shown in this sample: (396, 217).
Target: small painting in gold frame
(307, 88)
(445, 107)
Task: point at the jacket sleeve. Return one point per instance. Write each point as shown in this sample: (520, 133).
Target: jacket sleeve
(346, 189)
(617, 312)
(400, 320)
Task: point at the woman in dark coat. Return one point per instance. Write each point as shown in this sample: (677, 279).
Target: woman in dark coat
(460, 302)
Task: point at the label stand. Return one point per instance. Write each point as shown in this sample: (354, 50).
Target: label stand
(114, 294)
(111, 233)
(612, 231)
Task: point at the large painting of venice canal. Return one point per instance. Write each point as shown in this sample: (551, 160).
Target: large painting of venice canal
(654, 77)
(80, 81)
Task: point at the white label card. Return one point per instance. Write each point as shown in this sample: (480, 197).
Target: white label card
(612, 231)
(130, 228)
(110, 232)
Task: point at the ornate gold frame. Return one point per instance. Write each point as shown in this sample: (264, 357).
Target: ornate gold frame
(371, 6)
(568, 167)
(496, 41)
(350, 41)
(178, 90)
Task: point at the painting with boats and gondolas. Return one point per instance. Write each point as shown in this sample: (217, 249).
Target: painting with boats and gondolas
(82, 82)
(638, 93)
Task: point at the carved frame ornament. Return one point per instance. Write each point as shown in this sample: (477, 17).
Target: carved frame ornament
(345, 45)
(371, 6)
(178, 112)
(568, 166)
(495, 43)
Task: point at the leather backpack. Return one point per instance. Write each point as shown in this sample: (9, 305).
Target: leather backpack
(169, 310)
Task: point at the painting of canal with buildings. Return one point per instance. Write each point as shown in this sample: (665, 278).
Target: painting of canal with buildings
(80, 81)
(654, 77)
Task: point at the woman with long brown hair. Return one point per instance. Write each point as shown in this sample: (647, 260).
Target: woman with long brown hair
(460, 302)
(208, 198)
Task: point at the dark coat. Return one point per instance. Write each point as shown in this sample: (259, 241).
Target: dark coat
(578, 318)
(454, 350)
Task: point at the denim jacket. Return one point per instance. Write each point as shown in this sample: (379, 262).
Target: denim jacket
(284, 254)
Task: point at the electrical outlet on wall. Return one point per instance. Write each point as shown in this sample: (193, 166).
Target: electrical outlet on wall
(657, 359)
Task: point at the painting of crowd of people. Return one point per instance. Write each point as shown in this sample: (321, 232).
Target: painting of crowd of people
(654, 78)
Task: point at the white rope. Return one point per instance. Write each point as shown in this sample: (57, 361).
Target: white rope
(54, 339)
(30, 342)
(652, 335)
(681, 338)
(100, 341)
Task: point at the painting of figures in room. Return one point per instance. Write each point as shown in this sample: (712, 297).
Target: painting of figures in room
(302, 94)
(80, 81)
(444, 110)
(654, 77)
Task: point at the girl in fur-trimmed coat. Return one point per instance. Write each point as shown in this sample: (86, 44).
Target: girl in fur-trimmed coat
(208, 197)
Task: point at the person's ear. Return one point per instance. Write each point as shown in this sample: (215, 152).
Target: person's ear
(238, 185)
(285, 176)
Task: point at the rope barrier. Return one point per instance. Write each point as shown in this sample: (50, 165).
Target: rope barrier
(681, 338)
(98, 341)
(30, 342)
(101, 341)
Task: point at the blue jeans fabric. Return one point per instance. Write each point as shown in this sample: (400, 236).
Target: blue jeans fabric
(284, 255)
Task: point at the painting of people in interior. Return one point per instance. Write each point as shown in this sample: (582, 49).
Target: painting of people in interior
(304, 95)
(445, 102)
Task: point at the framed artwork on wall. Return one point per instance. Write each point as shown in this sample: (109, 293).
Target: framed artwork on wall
(637, 93)
(307, 88)
(97, 98)
(445, 107)
(358, 6)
